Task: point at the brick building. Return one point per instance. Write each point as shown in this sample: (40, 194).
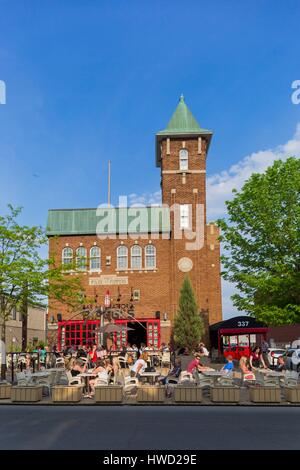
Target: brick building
(138, 256)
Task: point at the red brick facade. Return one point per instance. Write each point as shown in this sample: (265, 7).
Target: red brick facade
(159, 288)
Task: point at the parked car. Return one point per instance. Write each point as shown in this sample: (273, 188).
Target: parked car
(293, 359)
(274, 354)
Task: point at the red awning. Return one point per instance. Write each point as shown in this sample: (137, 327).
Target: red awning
(242, 331)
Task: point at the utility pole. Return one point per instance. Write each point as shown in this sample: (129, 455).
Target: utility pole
(24, 316)
(108, 185)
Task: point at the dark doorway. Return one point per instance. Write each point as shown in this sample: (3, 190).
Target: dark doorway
(138, 334)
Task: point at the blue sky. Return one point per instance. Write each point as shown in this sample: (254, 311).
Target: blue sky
(89, 81)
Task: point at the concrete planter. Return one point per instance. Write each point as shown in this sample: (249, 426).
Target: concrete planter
(186, 394)
(265, 394)
(30, 393)
(68, 393)
(151, 394)
(225, 394)
(292, 394)
(109, 394)
(5, 391)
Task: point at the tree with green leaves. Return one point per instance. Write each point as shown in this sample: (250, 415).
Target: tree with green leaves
(188, 325)
(25, 276)
(261, 239)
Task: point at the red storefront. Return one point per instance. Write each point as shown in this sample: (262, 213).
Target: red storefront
(141, 330)
(87, 332)
(237, 336)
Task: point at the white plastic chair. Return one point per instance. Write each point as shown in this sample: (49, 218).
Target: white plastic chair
(73, 380)
(123, 361)
(186, 377)
(131, 385)
(60, 362)
(165, 358)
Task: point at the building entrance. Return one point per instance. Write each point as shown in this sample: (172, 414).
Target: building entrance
(143, 330)
(138, 334)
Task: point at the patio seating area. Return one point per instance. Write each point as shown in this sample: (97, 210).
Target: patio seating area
(56, 385)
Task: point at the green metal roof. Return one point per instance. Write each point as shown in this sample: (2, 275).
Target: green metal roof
(108, 220)
(182, 123)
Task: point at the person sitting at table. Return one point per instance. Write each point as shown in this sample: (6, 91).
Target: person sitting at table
(92, 355)
(173, 374)
(164, 348)
(101, 352)
(139, 366)
(81, 352)
(229, 366)
(280, 366)
(256, 359)
(196, 364)
(77, 368)
(135, 348)
(247, 373)
(101, 372)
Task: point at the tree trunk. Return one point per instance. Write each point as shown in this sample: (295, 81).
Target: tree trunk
(24, 313)
(3, 363)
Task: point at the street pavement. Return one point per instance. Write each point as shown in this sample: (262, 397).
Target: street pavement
(149, 427)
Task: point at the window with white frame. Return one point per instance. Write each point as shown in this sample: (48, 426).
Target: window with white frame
(95, 258)
(136, 257)
(67, 256)
(81, 258)
(184, 216)
(122, 257)
(150, 256)
(183, 159)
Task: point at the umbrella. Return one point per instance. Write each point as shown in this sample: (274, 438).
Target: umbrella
(113, 328)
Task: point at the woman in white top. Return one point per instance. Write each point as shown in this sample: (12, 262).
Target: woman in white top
(139, 366)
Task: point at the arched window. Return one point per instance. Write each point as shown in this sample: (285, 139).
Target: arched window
(122, 257)
(136, 257)
(183, 159)
(95, 258)
(67, 256)
(150, 256)
(81, 258)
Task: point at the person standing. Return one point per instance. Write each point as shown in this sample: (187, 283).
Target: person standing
(264, 350)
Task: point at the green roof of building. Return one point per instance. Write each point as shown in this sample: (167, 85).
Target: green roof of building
(182, 123)
(108, 220)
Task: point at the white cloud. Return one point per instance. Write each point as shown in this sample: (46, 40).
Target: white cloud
(220, 185)
(145, 199)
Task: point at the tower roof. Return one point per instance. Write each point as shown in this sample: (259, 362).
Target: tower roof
(182, 123)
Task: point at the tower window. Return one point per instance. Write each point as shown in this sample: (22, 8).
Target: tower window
(136, 257)
(95, 258)
(150, 256)
(81, 258)
(67, 256)
(183, 159)
(184, 216)
(122, 257)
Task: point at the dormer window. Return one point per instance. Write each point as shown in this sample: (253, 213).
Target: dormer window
(183, 159)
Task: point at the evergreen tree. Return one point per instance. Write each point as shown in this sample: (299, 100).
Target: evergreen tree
(188, 325)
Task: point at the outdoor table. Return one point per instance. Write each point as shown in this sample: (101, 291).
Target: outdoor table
(274, 373)
(152, 376)
(87, 376)
(216, 374)
(40, 374)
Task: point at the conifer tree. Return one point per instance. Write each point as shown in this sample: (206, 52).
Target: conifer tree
(188, 326)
